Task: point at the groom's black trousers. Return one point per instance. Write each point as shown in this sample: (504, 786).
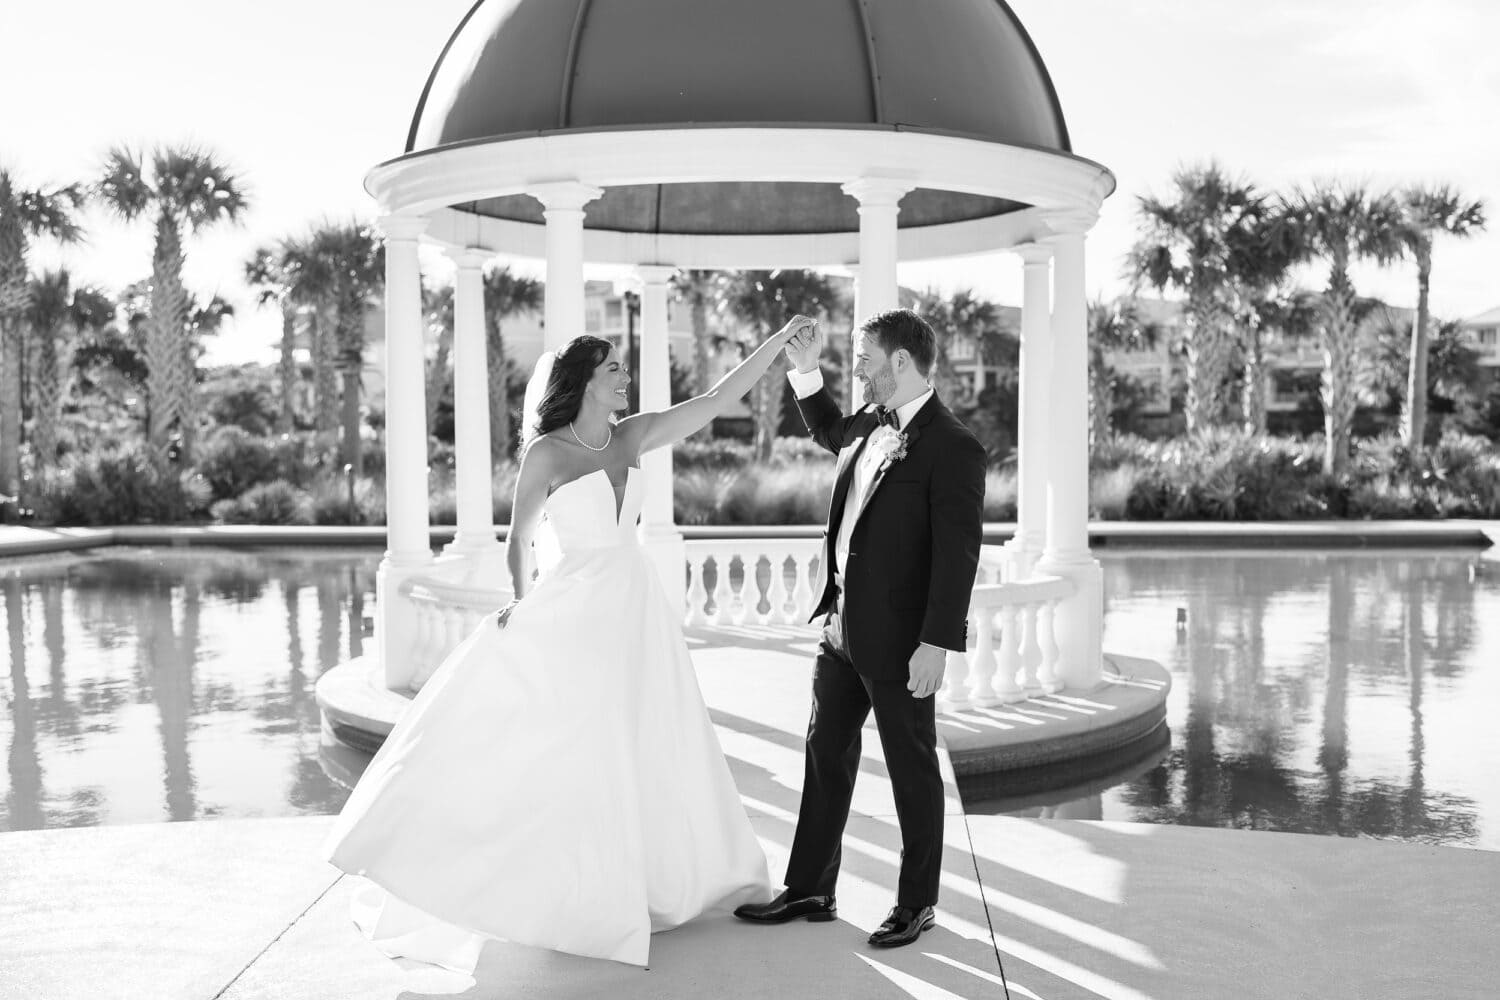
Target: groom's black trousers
(842, 700)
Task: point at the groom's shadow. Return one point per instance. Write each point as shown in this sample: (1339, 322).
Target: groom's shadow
(719, 956)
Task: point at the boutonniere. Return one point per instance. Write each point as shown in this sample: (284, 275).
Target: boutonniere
(890, 444)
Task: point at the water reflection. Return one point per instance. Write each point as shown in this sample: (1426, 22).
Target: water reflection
(1334, 693)
(173, 684)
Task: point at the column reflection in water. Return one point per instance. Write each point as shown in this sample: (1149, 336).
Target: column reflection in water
(23, 803)
(1284, 678)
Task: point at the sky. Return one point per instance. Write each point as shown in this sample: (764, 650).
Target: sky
(303, 98)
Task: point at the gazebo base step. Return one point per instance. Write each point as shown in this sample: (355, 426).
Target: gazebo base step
(1121, 719)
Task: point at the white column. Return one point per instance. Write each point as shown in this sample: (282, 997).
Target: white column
(658, 530)
(1079, 619)
(475, 541)
(1032, 446)
(562, 207)
(875, 288)
(408, 548)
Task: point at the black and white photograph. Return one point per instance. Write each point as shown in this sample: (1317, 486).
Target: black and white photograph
(749, 500)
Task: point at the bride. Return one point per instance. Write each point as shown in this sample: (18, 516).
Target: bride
(557, 782)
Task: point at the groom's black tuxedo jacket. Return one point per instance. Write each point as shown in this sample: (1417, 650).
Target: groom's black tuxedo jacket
(915, 548)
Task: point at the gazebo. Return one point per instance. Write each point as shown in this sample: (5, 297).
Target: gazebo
(666, 134)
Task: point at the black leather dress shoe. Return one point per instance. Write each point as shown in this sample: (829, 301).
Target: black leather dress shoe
(817, 909)
(903, 926)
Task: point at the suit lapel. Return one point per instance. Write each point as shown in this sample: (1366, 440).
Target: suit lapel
(913, 432)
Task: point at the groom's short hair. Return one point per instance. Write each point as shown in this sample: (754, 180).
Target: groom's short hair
(902, 329)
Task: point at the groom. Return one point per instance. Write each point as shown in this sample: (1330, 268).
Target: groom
(898, 566)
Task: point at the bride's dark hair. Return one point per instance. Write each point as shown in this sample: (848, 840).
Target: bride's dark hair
(571, 372)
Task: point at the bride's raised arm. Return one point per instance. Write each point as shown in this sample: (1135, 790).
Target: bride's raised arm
(662, 427)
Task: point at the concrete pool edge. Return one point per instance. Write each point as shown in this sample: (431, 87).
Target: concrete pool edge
(21, 540)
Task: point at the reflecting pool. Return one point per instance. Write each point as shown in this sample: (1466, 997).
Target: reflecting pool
(173, 683)
(1338, 692)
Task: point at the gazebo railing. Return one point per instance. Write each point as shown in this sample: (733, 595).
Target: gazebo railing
(444, 614)
(764, 580)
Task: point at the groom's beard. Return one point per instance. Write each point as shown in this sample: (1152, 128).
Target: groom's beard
(880, 385)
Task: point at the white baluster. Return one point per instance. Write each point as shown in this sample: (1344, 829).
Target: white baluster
(1031, 650)
(756, 593)
(802, 595)
(744, 594)
(721, 615)
(1004, 684)
(697, 595)
(776, 590)
(981, 662)
(1048, 674)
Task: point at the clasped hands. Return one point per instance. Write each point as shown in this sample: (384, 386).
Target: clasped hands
(804, 342)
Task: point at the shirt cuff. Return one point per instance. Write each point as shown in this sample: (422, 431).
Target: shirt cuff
(804, 384)
(942, 648)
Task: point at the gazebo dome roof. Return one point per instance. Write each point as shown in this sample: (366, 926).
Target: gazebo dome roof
(520, 67)
(726, 133)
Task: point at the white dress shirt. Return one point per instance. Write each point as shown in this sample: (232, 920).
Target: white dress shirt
(804, 384)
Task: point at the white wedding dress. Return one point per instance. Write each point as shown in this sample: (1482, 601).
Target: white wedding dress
(556, 783)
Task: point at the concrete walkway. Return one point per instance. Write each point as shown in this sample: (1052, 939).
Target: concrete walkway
(1068, 909)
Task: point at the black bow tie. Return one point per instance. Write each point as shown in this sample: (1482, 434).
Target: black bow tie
(884, 415)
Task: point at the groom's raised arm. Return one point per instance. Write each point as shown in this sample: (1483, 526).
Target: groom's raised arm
(825, 421)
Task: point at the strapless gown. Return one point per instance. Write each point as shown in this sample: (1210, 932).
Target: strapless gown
(556, 783)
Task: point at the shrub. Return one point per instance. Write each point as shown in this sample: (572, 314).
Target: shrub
(698, 494)
(276, 502)
(772, 494)
(328, 500)
(715, 453)
(1000, 503)
(120, 485)
(1110, 490)
(233, 460)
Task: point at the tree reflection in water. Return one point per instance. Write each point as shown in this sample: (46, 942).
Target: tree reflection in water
(1322, 692)
(1284, 683)
(188, 635)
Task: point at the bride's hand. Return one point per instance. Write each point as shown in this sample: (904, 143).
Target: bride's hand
(804, 344)
(798, 325)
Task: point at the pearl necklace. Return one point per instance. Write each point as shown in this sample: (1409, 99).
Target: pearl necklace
(607, 430)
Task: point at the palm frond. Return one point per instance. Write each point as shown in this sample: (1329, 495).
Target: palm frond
(123, 186)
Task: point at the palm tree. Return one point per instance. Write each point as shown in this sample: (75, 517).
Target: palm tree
(1343, 223)
(765, 301)
(1112, 327)
(505, 294)
(704, 292)
(24, 213)
(1428, 211)
(960, 316)
(1272, 314)
(1452, 369)
(1189, 245)
(269, 272)
(437, 310)
(312, 281)
(1264, 309)
(58, 314)
(355, 261)
(187, 189)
